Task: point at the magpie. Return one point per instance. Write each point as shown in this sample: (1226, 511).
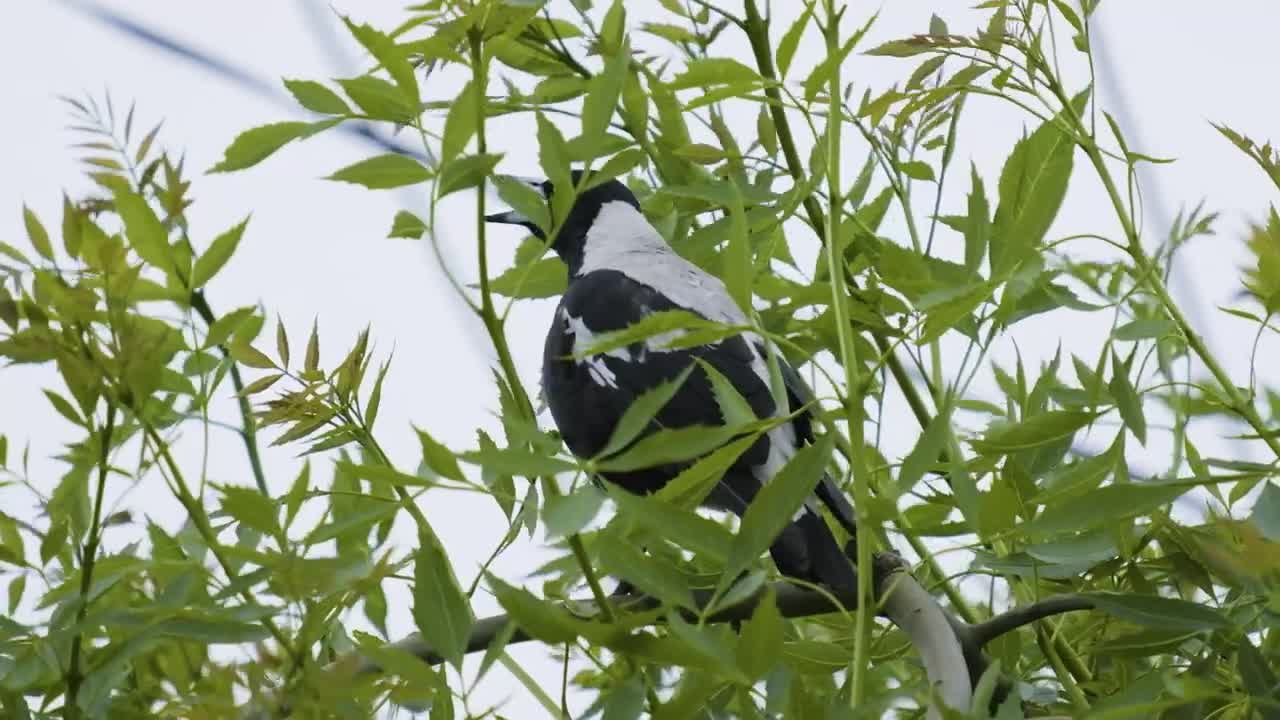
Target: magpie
(622, 270)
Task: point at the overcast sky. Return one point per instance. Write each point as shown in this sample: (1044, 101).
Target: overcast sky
(316, 249)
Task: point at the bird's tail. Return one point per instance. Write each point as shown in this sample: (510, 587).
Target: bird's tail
(806, 549)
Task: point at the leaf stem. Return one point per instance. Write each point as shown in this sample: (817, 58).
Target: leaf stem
(248, 427)
(87, 561)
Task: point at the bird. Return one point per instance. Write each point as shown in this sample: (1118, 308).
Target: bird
(621, 270)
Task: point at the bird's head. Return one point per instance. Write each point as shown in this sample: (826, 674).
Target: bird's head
(571, 238)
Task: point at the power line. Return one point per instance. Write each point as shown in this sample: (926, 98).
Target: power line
(217, 66)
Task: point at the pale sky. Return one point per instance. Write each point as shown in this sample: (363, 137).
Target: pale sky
(317, 249)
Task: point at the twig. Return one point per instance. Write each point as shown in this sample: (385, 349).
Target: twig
(248, 428)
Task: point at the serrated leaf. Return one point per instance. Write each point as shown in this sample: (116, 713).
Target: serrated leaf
(568, 514)
(251, 509)
(653, 575)
(603, 92)
(1042, 429)
(760, 646)
(1266, 512)
(926, 453)
(517, 461)
(147, 236)
(465, 172)
(669, 445)
(440, 608)
(791, 41)
(459, 125)
(215, 257)
(246, 354)
(407, 225)
(775, 504)
(379, 99)
(381, 172)
(641, 411)
(1101, 506)
(702, 72)
(917, 170)
(37, 234)
(694, 483)
(439, 458)
(1127, 400)
(675, 524)
(257, 144)
(1033, 183)
(316, 97)
(1158, 612)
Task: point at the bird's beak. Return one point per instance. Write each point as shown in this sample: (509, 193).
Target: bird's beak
(510, 217)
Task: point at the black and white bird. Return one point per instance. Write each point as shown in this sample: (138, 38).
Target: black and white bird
(620, 271)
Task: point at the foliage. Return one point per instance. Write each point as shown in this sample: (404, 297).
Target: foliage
(1187, 612)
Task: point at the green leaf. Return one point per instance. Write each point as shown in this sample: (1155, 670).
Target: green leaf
(407, 225)
(641, 411)
(440, 608)
(219, 251)
(541, 619)
(702, 72)
(393, 58)
(524, 200)
(693, 484)
(147, 236)
(246, 354)
(653, 575)
(1145, 329)
(1103, 505)
(255, 145)
(1033, 184)
(1266, 512)
(459, 125)
(977, 232)
(917, 170)
(774, 506)
(685, 528)
(553, 155)
(251, 509)
(669, 445)
(926, 453)
(1158, 612)
(381, 172)
(666, 329)
(466, 172)
(1259, 679)
(36, 233)
(734, 409)
(568, 514)
(602, 94)
(1043, 429)
(380, 99)
(1127, 400)
(316, 97)
(791, 41)
(439, 458)
(544, 278)
(760, 647)
(517, 461)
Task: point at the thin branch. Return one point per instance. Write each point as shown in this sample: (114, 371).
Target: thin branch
(248, 429)
(985, 632)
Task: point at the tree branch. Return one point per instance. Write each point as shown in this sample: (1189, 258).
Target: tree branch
(900, 597)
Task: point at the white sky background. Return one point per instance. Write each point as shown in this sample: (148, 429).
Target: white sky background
(317, 249)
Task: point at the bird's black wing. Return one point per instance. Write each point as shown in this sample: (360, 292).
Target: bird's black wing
(588, 396)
